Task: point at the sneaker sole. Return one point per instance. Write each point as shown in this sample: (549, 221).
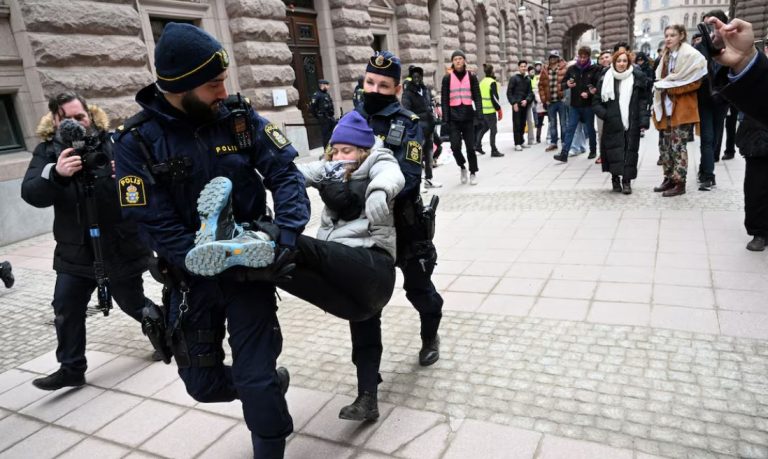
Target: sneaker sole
(211, 202)
(215, 257)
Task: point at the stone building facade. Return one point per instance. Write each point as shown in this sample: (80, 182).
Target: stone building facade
(278, 50)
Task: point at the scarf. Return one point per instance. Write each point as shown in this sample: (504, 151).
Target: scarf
(583, 66)
(627, 81)
(690, 67)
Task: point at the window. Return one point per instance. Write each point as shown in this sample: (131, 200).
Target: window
(646, 26)
(664, 22)
(158, 24)
(665, 3)
(10, 133)
(694, 22)
(646, 5)
(685, 20)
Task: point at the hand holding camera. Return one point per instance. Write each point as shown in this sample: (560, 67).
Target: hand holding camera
(732, 43)
(68, 164)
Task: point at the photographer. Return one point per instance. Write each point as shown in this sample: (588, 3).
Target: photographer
(58, 176)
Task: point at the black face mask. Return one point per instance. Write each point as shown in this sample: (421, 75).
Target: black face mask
(373, 102)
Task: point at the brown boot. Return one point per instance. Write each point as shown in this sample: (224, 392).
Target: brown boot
(676, 190)
(665, 185)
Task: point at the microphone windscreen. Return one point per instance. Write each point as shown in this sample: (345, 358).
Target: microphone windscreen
(71, 131)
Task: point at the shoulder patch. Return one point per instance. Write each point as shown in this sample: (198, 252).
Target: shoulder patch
(415, 117)
(413, 152)
(276, 136)
(132, 193)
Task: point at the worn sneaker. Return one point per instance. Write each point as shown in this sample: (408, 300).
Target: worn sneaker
(463, 176)
(706, 185)
(527, 145)
(252, 249)
(214, 205)
(6, 274)
(518, 148)
(429, 183)
(496, 154)
(757, 244)
(472, 179)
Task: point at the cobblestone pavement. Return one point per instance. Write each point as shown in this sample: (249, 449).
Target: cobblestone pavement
(578, 323)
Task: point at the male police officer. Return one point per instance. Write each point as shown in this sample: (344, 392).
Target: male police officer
(321, 108)
(416, 255)
(55, 177)
(185, 136)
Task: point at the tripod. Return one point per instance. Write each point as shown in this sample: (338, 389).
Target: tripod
(91, 211)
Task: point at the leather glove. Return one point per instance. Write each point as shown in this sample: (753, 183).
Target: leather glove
(376, 207)
(279, 271)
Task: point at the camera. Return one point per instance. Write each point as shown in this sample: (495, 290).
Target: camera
(87, 147)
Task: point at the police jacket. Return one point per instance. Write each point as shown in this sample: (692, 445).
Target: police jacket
(382, 173)
(164, 204)
(519, 89)
(409, 150)
(123, 253)
(321, 105)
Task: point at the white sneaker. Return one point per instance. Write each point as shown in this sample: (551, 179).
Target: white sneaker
(472, 179)
(429, 183)
(463, 176)
(518, 148)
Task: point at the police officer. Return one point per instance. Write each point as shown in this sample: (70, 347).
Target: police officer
(416, 254)
(189, 132)
(357, 95)
(55, 177)
(321, 108)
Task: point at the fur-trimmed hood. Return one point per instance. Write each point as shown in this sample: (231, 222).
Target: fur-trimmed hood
(46, 130)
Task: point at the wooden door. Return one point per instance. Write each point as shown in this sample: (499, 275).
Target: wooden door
(307, 65)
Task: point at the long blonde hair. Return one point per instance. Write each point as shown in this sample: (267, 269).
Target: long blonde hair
(364, 154)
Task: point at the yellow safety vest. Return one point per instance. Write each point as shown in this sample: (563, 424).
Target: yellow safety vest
(485, 94)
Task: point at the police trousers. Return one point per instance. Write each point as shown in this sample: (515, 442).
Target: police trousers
(250, 312)
(70, 301)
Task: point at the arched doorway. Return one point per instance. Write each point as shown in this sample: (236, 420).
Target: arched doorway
(571, 38)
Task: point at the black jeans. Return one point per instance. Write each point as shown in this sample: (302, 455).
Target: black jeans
(756, 196)
(70, 301)
(426, 156)
(489, 124)
(519, 119)
(712, 119)
(352, 283)
(326, 129)
(464, 130)
(730, 131)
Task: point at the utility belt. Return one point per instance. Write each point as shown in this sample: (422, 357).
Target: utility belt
(414, 221)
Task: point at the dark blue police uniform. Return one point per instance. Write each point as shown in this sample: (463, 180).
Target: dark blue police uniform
(164, 206)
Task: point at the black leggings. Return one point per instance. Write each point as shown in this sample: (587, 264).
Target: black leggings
(352, 283)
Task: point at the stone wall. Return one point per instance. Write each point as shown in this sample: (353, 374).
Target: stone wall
(92, 47)
(351, 33)
(613, 20)
(413, 36)
(754, 11)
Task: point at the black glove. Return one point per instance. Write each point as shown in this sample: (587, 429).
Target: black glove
(279, 271)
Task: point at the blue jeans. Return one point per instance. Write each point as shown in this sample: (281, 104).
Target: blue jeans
(553, 110)
(712, 125)
(579, 142)
(576, 115)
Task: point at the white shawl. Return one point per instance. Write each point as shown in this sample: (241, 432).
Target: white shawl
(690, 67)
(607, 93)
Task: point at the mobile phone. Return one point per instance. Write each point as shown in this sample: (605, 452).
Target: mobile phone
(706, 39)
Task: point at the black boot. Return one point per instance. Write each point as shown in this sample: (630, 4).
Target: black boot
(430, 351)
(538, 134)
(6, 274)
(616, 182)
(626, 187)
(61, 378)
(364, 408)
(757, 244)
(284, 378)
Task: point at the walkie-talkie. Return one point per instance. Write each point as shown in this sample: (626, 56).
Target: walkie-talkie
(240, 120)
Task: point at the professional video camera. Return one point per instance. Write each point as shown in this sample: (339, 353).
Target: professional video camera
(91, 152)
(87, 147)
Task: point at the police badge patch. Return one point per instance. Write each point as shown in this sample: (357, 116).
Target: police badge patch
(276, 136)
(413, 152)
(131, 190)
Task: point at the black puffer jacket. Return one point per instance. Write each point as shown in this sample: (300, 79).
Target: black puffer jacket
(519, 89)
(752, 139)
(420, 104)
(619, 148)
(123, 252)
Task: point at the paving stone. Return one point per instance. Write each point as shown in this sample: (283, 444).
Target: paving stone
(745, 324)
(21, 396)
(569, 289)
(303, 446)
(48, 442)
(149, 380)
(188, 435)
(429, 445)
(327, 425)
(557, 447)
(697, 320)
(140, 423)
(15, 428)
(13, 378)
(235, 444)
(507, 305)
(401, 426)
(92, 447)
(518, 286)
(676, 295)
(619, 313)
(176, 393)
(555, 308)
(58, 403)
(304, 404)
(481, 439)
(233, 409)
(622, 291)
(113, 372)
(477, 284)
(98, 412)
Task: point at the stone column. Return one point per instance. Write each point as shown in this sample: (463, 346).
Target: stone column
(413, 36)
(259, 37)
(450, 31)
(90, 47)
(351, 33)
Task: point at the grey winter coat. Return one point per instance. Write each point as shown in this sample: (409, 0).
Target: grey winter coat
(383, 171)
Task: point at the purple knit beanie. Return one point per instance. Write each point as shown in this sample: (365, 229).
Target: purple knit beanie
(353, 130)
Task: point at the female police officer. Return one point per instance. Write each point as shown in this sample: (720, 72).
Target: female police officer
(184, 137)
